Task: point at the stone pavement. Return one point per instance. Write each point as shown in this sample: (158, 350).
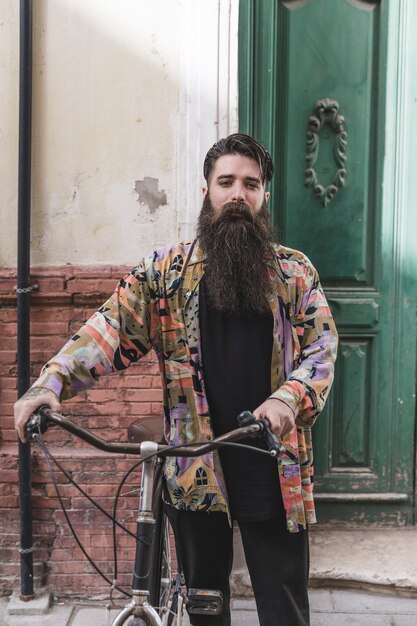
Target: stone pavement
(381, 560)
(358, 578)
(329, 607)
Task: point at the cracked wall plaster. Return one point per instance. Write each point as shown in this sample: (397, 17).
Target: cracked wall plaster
(149, 194)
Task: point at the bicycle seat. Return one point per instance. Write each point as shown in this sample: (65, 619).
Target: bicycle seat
(146, 429)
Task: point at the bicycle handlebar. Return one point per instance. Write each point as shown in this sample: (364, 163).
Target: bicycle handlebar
(249, 426)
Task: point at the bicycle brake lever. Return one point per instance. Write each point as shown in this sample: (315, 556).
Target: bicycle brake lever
(274, 445)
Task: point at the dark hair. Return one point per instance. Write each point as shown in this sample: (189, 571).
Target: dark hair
(247, 146)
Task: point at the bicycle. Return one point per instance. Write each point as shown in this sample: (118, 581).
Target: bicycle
(156, 598)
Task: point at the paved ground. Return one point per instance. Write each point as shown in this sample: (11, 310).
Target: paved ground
(383, 558)
(329, 607)
(375, 570)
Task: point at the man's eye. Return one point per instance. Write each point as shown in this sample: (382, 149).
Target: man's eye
(225, 183)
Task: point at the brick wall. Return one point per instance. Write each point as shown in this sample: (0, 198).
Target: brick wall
(65, 299)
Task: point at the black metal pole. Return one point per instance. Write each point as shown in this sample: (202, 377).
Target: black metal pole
(23, 289)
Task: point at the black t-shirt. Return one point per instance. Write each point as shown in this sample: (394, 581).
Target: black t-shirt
(236, 355)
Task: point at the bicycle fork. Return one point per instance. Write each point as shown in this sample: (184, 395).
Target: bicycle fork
(145, 529)
(138, 607)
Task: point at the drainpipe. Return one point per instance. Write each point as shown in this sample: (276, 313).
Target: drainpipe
(24, 289)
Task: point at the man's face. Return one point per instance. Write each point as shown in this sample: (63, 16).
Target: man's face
(235, 233)
(236, 178)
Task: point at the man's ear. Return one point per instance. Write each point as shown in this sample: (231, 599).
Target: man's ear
(267, 194)
(205, 191)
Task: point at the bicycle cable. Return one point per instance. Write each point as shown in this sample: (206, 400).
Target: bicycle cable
(115, 523)
(146, 458)
(71, 527)
(116, 499)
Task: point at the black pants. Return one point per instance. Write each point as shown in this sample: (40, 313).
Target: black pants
(278, 563)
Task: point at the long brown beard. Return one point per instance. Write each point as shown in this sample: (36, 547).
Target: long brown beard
(239, 249)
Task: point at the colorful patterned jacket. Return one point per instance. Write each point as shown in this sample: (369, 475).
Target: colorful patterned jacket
(156, 306)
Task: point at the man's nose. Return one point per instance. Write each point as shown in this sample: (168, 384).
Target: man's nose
(238, 194)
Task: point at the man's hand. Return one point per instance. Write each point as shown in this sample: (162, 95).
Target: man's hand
(28, 403)
(280, 416)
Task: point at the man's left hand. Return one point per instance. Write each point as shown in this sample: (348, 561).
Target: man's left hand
(280, 416)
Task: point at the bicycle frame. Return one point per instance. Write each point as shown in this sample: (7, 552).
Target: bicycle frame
(139, 605)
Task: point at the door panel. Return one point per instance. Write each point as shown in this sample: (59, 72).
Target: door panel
(351, 432)
(327, 66)
(312, 89)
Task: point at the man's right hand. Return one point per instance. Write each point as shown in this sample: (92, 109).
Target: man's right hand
(27, 404)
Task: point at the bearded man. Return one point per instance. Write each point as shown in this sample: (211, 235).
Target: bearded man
(238, 323)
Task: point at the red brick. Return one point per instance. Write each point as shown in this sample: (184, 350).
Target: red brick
(8, 540)
(107, 409)
(65, 554)
(9, 329)
(52, 344)
(9, 395)
(8, 382)
(49, 328)
(9, 436)
(67, 490)
(103, 540)
(102, 286)
(53, 314)
(7, 369)
(119, 410)
(9, 569)
(72, 567)
(48, 503)
(8, 315)
(8, 344)
(41, 515)
(8, 502)
(40, 355)
(90, 518)
(7, 285)
(86, 583)
(50, 284)
(138, 382)
(8, 489)
(107, 395)
(7, 408)
(8, 356)
(65, 542)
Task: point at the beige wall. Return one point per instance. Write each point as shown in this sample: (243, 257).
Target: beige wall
(127, 97)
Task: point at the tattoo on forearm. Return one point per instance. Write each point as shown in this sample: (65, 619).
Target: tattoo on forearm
(35, 392)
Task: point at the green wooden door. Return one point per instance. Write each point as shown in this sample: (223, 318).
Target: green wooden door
(312, 88)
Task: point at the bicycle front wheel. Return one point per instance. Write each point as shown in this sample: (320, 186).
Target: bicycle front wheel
(164, 593)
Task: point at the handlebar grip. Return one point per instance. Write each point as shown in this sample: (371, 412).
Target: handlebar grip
(246, 418)
(273, 443)
(39, 421)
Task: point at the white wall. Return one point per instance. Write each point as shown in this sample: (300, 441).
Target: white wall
(123, 91)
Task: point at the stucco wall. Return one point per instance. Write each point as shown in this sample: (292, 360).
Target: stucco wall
(127, 97)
